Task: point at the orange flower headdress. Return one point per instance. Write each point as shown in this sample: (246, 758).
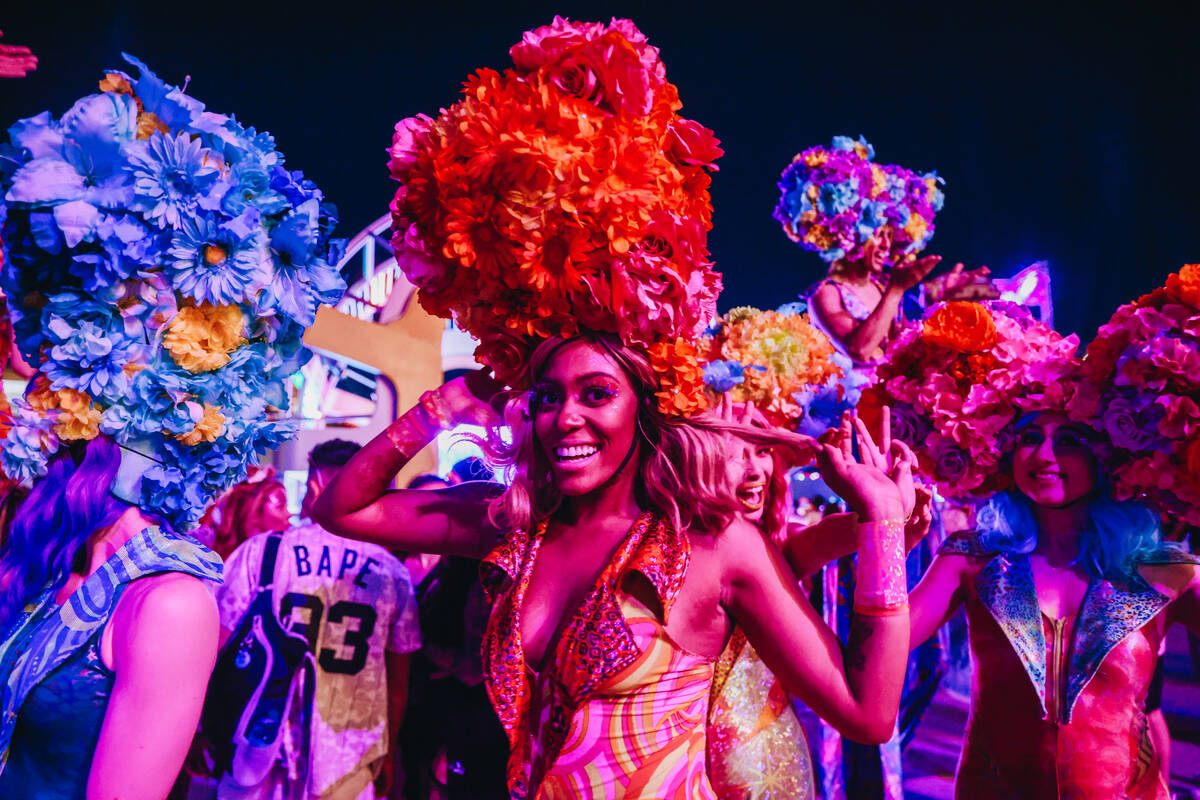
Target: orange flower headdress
(564, 194)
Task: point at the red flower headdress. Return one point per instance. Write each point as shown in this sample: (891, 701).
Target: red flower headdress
(562, 194)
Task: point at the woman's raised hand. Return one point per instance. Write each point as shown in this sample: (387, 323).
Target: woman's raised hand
(908, 274)
(476, 398)
(871, 484)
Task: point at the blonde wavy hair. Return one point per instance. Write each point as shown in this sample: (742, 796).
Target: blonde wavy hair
(682, 462)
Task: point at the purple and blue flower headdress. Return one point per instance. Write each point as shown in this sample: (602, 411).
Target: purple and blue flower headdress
(834, 199)
(161, 265)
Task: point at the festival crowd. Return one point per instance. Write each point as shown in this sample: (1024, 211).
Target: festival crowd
(620, 599)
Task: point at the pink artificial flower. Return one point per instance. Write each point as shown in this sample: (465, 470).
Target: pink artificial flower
(547, 43)
(406, 142)
(1182, 415)
(427, 272)
(691, 143)
(651, 300)
(611, 66)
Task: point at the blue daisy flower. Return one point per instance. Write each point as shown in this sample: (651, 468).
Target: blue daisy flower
(303, 279)
(172, 179)
(218, 262)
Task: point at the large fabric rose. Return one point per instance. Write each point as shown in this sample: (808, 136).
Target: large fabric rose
(961, 326)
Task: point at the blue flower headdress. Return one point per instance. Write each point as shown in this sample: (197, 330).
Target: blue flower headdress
(161, 265)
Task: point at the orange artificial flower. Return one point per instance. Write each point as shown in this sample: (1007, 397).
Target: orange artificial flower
(961, 326)
(77, 417)
(1184, 286)
(74, 415)
(200, 338)
(210, 426)
(681, 377)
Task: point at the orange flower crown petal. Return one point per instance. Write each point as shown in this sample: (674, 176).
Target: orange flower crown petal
(562, 194)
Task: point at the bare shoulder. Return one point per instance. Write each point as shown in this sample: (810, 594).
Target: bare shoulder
(827, 297)
(1172, 580)
(165, 601)
(744, 551)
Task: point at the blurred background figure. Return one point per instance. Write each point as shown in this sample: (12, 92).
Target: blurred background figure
(353, 602)
(256, 505)
(452, 744)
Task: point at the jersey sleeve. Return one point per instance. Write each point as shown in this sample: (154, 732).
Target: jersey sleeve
(241, 582)
(405, 636)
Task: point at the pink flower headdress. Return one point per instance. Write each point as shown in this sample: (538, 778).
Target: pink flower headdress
(957, 382)
(1142, 388)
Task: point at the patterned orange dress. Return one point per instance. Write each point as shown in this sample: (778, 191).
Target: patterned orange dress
(620, 712)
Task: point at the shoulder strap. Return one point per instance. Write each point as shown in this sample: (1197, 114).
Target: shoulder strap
(266, 576)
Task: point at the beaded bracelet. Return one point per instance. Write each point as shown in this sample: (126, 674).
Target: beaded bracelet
(419, 425)
(882, 583)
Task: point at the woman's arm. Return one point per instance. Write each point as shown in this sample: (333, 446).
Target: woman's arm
(359, 504)
(164, 645)
(937, 596)
(857, 690)
(862, 339)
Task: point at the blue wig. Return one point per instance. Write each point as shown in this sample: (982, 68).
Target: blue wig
(48, 537)
(1119, 535)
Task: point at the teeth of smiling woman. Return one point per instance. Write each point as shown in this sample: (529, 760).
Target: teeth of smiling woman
(575, 451)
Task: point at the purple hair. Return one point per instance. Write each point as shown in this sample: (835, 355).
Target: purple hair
(48, 537)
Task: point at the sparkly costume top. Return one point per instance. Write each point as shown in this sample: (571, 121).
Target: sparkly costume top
(1057, 705)
(756, 746)
(620, 710)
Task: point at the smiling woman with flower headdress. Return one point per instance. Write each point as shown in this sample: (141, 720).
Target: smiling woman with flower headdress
(575, 251)
(143, 292)
(1067, 585)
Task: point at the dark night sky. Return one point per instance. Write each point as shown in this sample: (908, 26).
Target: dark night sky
(1066, 137)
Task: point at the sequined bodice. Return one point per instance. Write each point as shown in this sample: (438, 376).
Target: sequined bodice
(1099, 753)
(576, 729)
